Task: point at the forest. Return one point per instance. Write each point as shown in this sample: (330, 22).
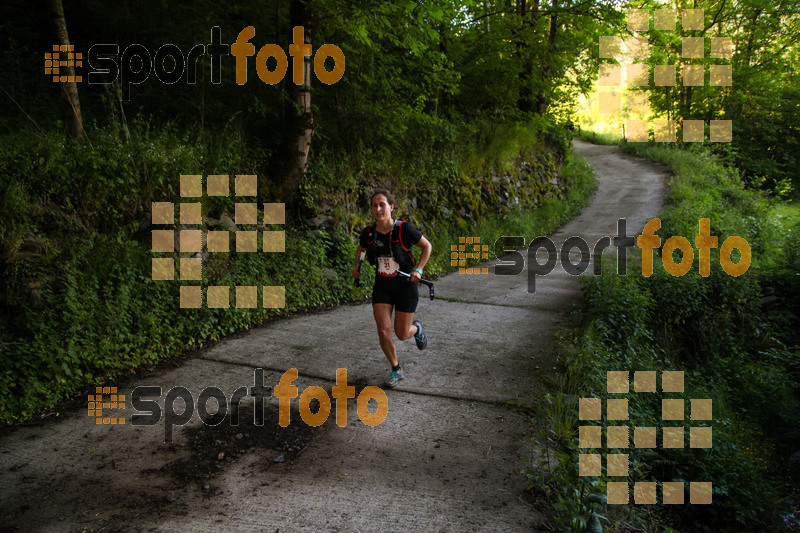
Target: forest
(467, 111)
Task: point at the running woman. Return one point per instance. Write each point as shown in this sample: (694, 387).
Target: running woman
(387, 244)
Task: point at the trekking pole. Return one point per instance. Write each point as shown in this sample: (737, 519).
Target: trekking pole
(423, 281)
(357, 281)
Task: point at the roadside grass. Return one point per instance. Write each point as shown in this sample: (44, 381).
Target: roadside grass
(599, 137)
(743, 356)
(580, 184)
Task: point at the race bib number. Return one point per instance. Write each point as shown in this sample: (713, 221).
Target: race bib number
(387, 266)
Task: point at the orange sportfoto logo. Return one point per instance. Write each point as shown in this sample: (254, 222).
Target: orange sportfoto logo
(53, 62)
(170, 64)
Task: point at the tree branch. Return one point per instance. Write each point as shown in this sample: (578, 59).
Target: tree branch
(571, 10)
(24, 112)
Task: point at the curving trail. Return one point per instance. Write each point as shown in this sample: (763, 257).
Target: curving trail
(447, 457)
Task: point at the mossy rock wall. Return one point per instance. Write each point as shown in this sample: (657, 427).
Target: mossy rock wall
(524, 183)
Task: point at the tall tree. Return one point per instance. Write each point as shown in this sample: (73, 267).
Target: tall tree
(543, 99)
(69, 89)
(299, 125)
(528, 17)
(760, 97)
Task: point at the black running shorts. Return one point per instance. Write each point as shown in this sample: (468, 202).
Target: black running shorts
(396, 291)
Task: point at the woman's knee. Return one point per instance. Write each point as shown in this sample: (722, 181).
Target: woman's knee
(384, 333)
(404, 327)
(405, 331)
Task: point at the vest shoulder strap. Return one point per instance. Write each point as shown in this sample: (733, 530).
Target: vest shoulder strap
(396, 229)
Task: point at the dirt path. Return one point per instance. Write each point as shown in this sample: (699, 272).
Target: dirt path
(447, 457)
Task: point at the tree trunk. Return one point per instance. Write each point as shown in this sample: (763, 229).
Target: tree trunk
(543, 101)
(524, 100)
(299, 125)
(69, 89)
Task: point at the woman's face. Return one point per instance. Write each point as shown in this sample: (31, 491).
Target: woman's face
(381, 209)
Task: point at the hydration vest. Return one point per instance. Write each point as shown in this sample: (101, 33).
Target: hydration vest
(400, 253)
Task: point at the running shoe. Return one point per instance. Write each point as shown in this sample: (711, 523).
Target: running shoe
(394, 378)
(419, 336)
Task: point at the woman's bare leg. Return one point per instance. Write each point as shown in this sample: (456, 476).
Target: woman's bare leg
(403, 327)
(383, 319)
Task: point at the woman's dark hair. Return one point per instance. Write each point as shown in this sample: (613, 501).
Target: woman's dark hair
(389, 196)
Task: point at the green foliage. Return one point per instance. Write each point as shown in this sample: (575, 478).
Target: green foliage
(714, 329)
(761, 103)
(579, 184)
(599, 138)
(577, 502)
(78, 304)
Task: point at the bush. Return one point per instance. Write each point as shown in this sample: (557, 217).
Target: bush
(715, 330)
